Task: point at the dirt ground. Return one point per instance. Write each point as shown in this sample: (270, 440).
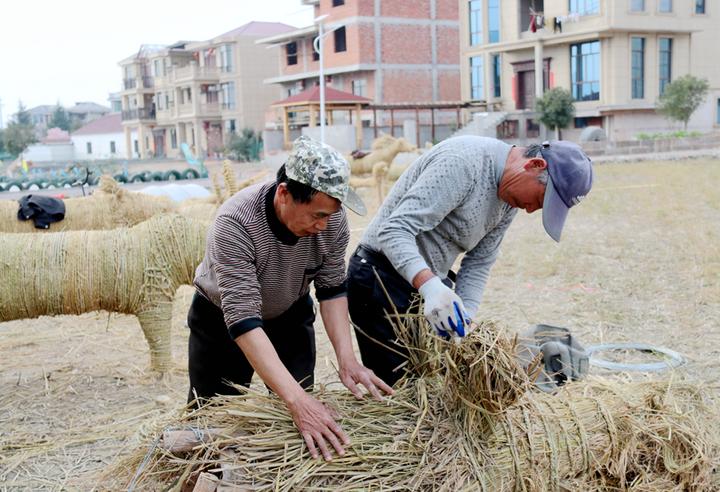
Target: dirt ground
(639, 261)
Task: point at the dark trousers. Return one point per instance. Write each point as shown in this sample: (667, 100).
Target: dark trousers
(368, 306)
(214, 358)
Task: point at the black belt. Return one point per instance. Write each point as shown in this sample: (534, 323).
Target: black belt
(380, 260)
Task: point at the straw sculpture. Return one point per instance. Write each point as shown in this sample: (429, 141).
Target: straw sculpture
(384, 149)
(109, 208)
(129, 270)
(468, 419)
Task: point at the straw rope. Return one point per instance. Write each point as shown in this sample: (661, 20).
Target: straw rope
(132, 271)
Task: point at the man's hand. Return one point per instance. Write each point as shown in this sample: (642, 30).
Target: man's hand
(354, 373)
(316, 423)
(444, 309)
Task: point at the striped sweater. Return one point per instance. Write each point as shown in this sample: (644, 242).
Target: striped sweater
(255, 268)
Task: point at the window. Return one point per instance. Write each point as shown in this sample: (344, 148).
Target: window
(230, 126)
(315, 54)
(135, 146)
(112, 147)
(638, 68)
(717, 116)
(173, 138)
(340, 44)
(588, 121)
(228, 95)
(665, 6)
(637, 5)
(477, 91)
(226, 58)
(88, 147)
(337, 3)
(665, 63)
(585, 71)
(493, 21)
(699, 6)
(291, 53)
(476, 22)
(359, 87)
(585, 7)
(497, 68)
(157, 68)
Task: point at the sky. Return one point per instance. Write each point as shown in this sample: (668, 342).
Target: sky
(69, 50)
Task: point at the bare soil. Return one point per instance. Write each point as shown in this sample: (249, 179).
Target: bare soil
(639, 261)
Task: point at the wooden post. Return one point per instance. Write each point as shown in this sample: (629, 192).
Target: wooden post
(286, 128)
(417, 127)
(358, 127)
(374, 123)
(432, 124)
(457, 117)
(392, 122)
(313, 117)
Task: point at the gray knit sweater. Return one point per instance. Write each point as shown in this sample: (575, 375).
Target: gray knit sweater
(443, 205)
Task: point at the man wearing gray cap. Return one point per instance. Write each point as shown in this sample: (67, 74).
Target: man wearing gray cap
(252, 310)
(457, 199)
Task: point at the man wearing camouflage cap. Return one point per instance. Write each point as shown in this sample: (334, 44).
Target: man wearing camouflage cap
(252, 311)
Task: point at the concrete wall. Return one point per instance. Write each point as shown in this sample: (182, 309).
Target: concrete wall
(49, 152)
(100, 146)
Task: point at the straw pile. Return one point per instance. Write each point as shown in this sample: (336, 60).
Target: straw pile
(109, 208)
(590, 436)
(129, 270)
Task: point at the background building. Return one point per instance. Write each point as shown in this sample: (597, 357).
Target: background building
(614, 56)
(394, 52)
(197, 92)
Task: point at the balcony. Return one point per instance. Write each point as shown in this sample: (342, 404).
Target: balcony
(138, 114)
(185, 109)
(209, 109)
(195, 73)
(144, 82)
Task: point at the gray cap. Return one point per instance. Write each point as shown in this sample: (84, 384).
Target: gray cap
(323, 168)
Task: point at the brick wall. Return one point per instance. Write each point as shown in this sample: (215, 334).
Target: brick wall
(406, 44)
(407, 86)
(419, 9)
(448, 45)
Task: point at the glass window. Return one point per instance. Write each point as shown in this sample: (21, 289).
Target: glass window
(585, 71)
(638, 68)
(497, 69)
(173, 138)
(112, 147)
(291, 52)
(228, 95)
(359, 87)
(637, 5)
(476, 22)
(340, 42)
(665, 6)
(477, 91)
(226, 58)
(337, 3)
(665, 63)
(699, 6)
(493, 21)
(89, 147)
(585, 7)
(717, 116)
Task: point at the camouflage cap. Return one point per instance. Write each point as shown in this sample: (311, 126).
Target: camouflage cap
(323, 168)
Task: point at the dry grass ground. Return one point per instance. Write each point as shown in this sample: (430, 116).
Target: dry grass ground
(639, 261)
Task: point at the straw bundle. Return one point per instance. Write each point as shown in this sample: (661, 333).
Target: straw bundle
(133, 271)
(590, 436)
(110, 208)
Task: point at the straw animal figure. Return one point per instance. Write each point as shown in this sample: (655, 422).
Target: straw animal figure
(108, 208)
(132, 271)
(467, 420)
(385, 149)
(377, 180)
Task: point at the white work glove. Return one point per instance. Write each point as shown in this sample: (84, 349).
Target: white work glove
(444, 309)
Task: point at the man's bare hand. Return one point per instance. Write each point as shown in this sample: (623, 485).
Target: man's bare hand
(316, 423)
(354, 373)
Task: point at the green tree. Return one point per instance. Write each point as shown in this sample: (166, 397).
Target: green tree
(556, 109)
(246, 146)
(682, 97)
(17, 137)
(60, 119)
(22, 116)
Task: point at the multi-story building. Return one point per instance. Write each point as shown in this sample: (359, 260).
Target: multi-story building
(614, 56)
(199, 93)
(390, 51)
